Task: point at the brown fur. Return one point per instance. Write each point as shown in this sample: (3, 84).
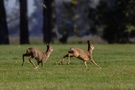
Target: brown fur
(81, 54)
(40, 56)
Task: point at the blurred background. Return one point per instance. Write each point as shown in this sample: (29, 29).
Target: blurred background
(67, 21)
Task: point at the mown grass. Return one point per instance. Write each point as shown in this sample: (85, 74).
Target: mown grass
(117, 73)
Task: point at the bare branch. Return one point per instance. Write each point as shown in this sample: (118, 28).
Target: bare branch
(43, 5)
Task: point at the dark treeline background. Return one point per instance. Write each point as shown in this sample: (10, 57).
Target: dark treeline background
(111, 21)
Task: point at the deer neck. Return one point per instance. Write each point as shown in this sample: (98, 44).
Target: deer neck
(90, 51)
(48, 53)
(88, 47)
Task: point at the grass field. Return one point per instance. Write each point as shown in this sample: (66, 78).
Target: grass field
(117, 73)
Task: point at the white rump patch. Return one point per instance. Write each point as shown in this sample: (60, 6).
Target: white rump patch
(71, 49)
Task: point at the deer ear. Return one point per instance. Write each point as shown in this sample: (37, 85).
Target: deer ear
(88, 41)
(48, 44)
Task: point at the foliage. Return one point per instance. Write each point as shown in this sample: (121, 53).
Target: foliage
(117, 73)
(74, 19)
(116, 19)
(130, 28)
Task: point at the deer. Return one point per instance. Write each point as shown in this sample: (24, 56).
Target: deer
(35, 53)
(84, 55)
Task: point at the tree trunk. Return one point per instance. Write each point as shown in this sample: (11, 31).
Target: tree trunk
(3, 25)
(24, 32)
(47, 21)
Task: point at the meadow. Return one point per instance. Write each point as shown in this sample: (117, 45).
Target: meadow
(117, 73)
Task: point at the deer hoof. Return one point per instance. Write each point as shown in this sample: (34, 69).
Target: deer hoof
(36, 67)
(61, 63)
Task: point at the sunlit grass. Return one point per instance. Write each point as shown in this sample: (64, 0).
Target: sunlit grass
(117, 73)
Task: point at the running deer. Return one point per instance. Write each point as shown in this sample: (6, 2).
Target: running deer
(81, 54)
(40, 56)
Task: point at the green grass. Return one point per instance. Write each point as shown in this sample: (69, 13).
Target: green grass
(117, 73)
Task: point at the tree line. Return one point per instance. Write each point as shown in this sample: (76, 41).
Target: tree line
(24, 31)
(112, 20)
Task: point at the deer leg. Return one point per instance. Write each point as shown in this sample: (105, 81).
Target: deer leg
(23, 58)
(63, 58)
(68, 59)
(30, 59)
(69, 55)
(95, 63)
(34, 54)
(38, 62)
(42, 64)
(85, 63)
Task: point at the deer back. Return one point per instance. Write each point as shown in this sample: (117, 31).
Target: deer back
(80, 53)
(35, 53)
